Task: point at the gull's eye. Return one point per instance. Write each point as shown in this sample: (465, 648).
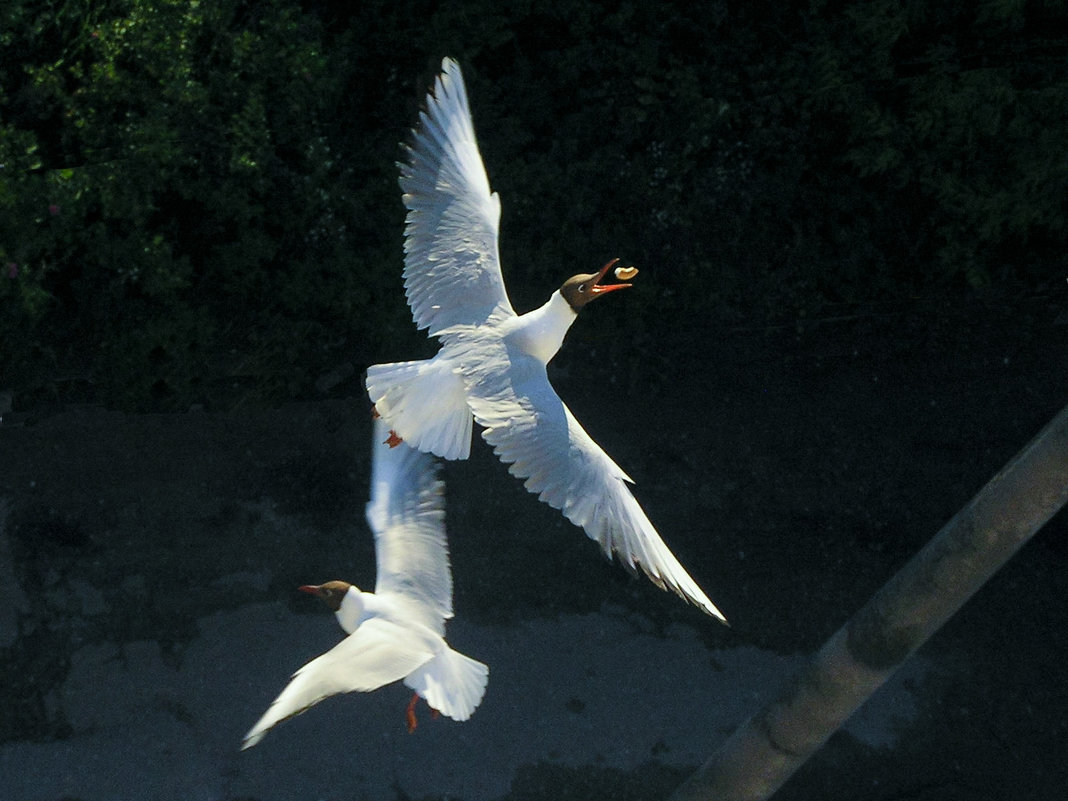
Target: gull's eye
(581, 287)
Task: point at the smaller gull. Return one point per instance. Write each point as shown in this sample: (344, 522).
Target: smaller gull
(397, 631)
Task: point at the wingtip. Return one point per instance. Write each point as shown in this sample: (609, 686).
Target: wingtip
(450, 71)
(701, 601)
(714, 612)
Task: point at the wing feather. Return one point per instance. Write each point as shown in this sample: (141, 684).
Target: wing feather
(534, 432)
(406, 513)
(452, 273)
(377, 653)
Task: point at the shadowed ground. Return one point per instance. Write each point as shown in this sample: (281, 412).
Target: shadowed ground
(148, 567)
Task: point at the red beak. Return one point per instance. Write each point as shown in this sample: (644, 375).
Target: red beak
(311, 589)
(597, 288)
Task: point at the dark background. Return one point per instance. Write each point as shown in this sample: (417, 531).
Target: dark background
(850, 224)
(198, 204)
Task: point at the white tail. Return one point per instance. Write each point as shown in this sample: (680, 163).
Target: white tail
(425, 403)
(451, 683)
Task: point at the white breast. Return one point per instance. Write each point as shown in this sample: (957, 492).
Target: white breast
(540, 333)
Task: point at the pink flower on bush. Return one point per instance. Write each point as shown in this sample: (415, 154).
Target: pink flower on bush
(12, 270)
(53, 209)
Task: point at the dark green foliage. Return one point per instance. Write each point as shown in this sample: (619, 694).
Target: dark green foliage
(198, 201)
(175, 210)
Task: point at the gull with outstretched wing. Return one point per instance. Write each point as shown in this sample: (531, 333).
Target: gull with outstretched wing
(491, 367)
(397, 631)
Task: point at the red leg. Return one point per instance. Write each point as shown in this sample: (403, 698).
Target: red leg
(412, 722)
(410, 713)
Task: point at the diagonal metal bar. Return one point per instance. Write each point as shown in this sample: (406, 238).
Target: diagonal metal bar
(766, 750)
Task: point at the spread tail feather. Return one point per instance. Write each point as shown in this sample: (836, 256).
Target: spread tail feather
(451, 683)
(425, 403)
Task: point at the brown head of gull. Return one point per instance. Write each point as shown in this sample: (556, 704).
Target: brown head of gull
(578, 290)
(330, 593)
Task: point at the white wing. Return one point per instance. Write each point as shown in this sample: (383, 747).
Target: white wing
(377, 653)
(534, 432)
(452, 273)
(407, 515)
